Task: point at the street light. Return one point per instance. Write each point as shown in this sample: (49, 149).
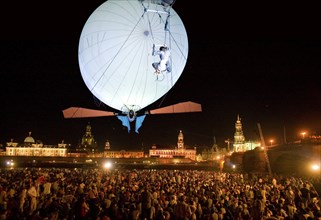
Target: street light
(303, 134)
(271, 142)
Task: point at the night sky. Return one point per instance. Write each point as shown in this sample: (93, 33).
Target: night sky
(262, 62)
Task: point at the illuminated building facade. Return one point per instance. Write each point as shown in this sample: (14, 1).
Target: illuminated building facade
(239, 139)
(123, 154)
(180, 151)
(32, 148)
(239, 144)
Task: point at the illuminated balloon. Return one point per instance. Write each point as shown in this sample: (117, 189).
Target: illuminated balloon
(115, 52)
(116, 58)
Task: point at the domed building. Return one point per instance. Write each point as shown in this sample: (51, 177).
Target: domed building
(30, 147)
(88, 142)
(29, 140)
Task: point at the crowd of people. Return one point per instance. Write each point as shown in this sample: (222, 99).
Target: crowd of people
(101, 194)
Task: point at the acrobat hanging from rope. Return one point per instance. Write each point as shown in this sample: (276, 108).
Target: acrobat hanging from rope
(164, 65)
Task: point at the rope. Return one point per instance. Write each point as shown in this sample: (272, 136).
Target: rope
(111, 62)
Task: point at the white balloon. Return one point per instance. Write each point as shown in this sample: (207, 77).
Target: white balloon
(115, 52)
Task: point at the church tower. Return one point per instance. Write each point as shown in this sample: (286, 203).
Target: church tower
(107, 145)
(239, 139)
(88, 142)
(180, 140)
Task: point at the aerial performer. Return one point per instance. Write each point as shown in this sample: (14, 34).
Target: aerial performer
(117, 62)
(164, 65)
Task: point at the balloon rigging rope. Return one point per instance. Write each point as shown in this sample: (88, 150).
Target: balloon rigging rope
(115, 56)
(128, 108)
(165, 40)
(151, 32)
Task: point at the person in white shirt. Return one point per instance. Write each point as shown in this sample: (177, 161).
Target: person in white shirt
(22, 196)
(32, 193)
(164, 64)
(47, 188)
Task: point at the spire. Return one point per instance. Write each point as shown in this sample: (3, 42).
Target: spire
(180, 140)
(239, 139)
(214, 148)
